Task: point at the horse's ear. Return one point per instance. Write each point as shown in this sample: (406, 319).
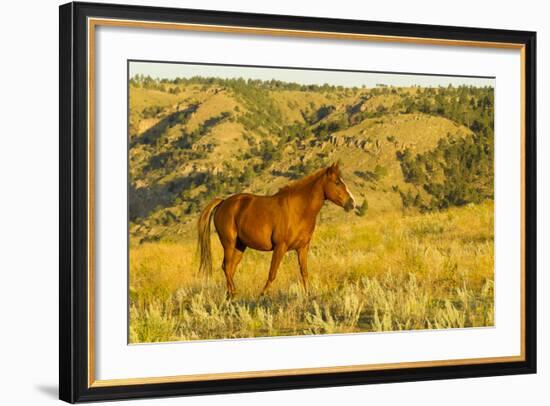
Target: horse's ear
(333, 170)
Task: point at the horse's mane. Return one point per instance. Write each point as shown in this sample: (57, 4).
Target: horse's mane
(304, 181)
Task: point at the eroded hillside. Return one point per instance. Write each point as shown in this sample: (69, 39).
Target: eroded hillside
(195, 139)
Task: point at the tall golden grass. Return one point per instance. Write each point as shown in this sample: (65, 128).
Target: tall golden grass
(376, 273)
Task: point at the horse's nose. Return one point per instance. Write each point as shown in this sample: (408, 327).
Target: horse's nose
(350, 204)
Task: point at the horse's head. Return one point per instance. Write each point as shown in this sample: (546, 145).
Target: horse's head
(336, 190)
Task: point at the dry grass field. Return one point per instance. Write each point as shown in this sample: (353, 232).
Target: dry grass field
(416, 254)
(385, 272)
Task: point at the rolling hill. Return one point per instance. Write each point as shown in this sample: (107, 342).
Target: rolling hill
(194, 139)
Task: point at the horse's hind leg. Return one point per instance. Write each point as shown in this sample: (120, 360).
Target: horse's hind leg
(227, 233)
(227, 269)
(231, 258)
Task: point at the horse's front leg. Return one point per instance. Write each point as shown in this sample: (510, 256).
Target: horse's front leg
(278, 254)
(302, 261)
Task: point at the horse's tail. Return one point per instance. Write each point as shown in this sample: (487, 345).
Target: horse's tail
(205, 250)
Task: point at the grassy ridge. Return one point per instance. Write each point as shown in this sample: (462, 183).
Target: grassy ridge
(374, 273)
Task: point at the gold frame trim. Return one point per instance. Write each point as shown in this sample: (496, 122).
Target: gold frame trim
(94, 22)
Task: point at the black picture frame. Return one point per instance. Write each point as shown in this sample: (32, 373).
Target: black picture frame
(74, 199)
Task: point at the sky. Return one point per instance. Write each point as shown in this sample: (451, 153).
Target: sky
(171, 70)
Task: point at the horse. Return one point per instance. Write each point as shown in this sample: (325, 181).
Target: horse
(280, 223)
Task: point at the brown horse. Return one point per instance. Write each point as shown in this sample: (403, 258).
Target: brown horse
(278, 223)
